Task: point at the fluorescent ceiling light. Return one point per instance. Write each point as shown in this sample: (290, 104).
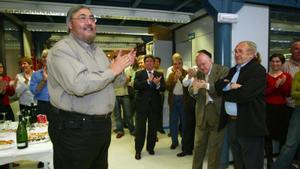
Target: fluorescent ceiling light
(60, 9)
(103, 29)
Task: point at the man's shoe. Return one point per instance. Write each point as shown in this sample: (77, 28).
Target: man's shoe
(132, 133)
(119, 135)
(151, 152)
(182, 154)
(161, 131)
(137, 156)
(173, 146)
(40, 165)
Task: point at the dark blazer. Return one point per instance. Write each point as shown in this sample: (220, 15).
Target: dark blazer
(148, 97)
(249, 98)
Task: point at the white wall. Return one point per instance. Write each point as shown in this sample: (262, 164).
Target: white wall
(253, 25)
(163, 49)
(203, 29)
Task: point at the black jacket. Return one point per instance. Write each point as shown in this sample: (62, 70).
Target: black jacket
(148, 96)
(249, 98)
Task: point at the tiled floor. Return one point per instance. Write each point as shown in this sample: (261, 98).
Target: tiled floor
(121, 156)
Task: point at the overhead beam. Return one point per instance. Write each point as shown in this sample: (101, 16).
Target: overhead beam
(182, 5)
(286, 3)
(136, 3)
(88, 2)
(104, 29)
(60, 9)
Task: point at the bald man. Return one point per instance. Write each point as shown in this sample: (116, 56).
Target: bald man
(208, 106)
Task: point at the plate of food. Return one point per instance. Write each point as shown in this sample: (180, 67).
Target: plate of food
(38, 137)
(6, 144)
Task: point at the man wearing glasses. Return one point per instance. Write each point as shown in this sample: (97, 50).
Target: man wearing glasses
(243, 109)
(80, 83)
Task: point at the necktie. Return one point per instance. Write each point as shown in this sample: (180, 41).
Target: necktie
(206, 93)
(149, 73)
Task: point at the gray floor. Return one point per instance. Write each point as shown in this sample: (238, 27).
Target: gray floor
(121, 156)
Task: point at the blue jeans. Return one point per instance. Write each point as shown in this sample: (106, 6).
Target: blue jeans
(292, 143)
(124, 102)
(177, 113)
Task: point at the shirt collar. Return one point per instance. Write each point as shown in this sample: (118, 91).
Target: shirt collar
(242, 65)
(83, 44)
(152, 71)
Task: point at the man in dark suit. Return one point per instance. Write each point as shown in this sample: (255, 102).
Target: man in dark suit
(208, 106)
(148, 83)
(244, 107)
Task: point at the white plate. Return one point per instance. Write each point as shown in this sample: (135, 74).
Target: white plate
(7, 146)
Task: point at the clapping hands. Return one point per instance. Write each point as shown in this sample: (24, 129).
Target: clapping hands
(280, 81)
(198, 84)
(123, 61)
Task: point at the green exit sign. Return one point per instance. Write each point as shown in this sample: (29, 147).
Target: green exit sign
(191, 35)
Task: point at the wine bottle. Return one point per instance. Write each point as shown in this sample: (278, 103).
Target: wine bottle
(22, 137)
(33, 113)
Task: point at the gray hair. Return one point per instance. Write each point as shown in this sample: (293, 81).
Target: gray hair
(45, 53)
(252, 46)
(72, 11)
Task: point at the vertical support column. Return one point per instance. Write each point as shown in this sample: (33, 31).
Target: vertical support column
(222, 31)
(222, 43)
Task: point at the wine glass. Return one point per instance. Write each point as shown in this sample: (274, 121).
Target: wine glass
(3, 120)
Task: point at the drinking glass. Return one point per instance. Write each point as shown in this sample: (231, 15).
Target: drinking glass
(3, 119)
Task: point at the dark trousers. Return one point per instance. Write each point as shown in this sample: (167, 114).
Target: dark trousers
(140, 130)
(79, 141)
(9, 115)
(248, 152)
(189, 133)
(160, 116)
(43, 107)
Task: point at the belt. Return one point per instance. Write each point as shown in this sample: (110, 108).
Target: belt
(232, 117)
(77, 115)
(210, 102)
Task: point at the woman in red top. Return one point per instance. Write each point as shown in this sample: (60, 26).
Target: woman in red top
(278, 88)
(5, 90)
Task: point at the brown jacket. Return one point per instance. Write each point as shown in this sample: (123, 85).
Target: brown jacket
(170, 85)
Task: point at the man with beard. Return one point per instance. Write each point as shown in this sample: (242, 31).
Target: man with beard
(81, 89)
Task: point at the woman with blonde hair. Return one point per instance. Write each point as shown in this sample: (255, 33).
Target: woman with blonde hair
(22, 83)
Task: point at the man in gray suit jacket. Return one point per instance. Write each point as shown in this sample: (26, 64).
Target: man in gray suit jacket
(208, 105)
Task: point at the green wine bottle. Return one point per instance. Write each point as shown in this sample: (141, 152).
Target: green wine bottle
(22, 137)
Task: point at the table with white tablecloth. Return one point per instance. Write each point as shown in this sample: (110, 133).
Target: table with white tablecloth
(36, 152)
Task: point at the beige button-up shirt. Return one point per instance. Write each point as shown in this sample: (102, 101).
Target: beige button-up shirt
(79, 77)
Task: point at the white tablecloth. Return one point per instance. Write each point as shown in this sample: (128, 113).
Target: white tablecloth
(36, 152)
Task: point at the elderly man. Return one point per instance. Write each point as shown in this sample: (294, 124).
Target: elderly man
(80, 84)
(208, 105)
(244, 107)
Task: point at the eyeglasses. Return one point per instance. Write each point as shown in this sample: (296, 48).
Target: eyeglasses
(83, 18)
(240, 51)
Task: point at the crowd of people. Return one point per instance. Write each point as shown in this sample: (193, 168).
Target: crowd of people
(78, 88)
